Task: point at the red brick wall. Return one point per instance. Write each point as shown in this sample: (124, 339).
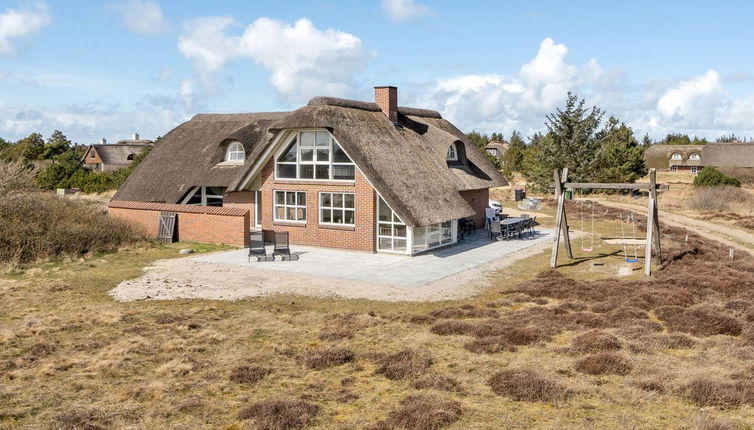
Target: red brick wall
(195, 223)
(89, 160)
(360, 237)
(479, 200)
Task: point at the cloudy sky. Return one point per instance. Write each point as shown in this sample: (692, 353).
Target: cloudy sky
(107, 69)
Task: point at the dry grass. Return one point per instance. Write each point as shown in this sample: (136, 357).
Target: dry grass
(438, 382)
(422, 412)
(720, 199)
(489, 345)
(706, 391)
(528, 386)
(280, 414)
(595, 341)
(701, 321)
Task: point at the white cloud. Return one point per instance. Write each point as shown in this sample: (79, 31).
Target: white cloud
(401, 10)
(693, 102)
(303, 60)
(143, 17)
(19, 23)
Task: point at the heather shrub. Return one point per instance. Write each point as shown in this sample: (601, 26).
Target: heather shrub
(328, 357)
(700, 321)
(604, 363)
(423, 412)
(404, 364)
(249, 374)
(444, 328)
(42, 226)
(595, 341)
(526, 385)
(280, 414)
(706, 391)
(489, 345)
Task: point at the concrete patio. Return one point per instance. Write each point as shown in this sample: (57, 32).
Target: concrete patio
(387, 269)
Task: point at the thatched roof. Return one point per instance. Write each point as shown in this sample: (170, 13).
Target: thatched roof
(189, 154)
(723, 155)
(118, 154)
(406, 162)
(729, 155)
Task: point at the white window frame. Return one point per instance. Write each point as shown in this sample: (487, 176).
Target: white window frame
(257, 208)
(332, 208)
(694, 156)
(694, 170)
(203, 193)
(452, 152)
(393, 222)
(231, 154)
(673, 168)
(437, 229)
(676, 156)
(286, 206)
(314, 162)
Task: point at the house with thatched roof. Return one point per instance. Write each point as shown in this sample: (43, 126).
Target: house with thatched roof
(496, 149)
(104, 157)
(369, 176)
(733, 158)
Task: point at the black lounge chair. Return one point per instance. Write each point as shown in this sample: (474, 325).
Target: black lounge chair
(282, 246)
(256, 247)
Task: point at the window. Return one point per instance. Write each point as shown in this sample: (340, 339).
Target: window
(492, 151)
(314, 155)
(673, 168)
(452, 152)
(235, 152)
(694, 170)
(290, 206)
(432, 236)
(205, 196)
(130, 157)
(92, 154)
(694, 156)
(337, 208)
(391, 231)
(676, 156)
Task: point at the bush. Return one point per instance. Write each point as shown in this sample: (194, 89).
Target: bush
(445, 328)
(489, 345)
(526, 385)
(328, 357)
(42, 226)
(595, 341)
(280, 414)
(249, 374)
(404, 364)
(423, 412)
(705, 391)
(604, 363)
(702, 321)
(14, 177)
(711, 177)
(719, 199)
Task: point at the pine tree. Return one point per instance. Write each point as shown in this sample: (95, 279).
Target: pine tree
(56, 144)
(620, 157)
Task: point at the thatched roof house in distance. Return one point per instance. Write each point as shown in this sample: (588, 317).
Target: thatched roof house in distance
(106, 157)
(733, 158)
(336, 173)
(497, 149)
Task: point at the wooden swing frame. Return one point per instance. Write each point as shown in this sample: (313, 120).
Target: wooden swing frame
(653, 217)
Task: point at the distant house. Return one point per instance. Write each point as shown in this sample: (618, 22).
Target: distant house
(735, 158)
(496, 149)
(338, 173)
(104, 157)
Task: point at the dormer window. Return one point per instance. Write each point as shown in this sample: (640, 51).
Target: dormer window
(676, 156)
(314, 155)
(235, 153)
(694, 156)
(452, 152)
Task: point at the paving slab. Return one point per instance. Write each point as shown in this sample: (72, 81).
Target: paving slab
(388, 269)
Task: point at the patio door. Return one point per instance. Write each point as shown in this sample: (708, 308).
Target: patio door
(258, 208)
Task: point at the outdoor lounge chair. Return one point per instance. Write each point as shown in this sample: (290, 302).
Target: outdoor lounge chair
(282, 247)
(256, 246)
(495, 230)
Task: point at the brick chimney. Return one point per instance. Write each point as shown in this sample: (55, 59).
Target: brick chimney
(387, 99)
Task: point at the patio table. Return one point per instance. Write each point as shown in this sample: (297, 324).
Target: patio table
(508, 223)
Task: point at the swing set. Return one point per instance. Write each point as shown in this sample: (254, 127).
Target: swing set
(588, 242)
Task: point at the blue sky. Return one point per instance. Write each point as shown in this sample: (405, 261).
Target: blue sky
(108, 69)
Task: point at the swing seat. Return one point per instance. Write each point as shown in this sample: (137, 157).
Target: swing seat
(632, 260)
(587, 249)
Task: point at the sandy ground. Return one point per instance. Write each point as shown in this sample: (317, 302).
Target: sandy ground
(184, 278)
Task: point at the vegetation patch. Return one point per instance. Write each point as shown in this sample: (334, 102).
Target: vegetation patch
(423, 412)
(408, 363)
(701, 321)
(328, 357)
(466, 311)
(84, 419)
(595, 341)
(249, 374)
(603, 363)
(707, 391)
(280, 414)
(489, 345)
(527, 385)
(445, 328)
(437, 382)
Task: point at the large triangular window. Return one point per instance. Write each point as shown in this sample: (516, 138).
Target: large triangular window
(314, 155)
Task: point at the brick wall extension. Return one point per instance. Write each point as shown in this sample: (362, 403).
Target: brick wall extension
(359, 237)
(227, 225)
(478, 200)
